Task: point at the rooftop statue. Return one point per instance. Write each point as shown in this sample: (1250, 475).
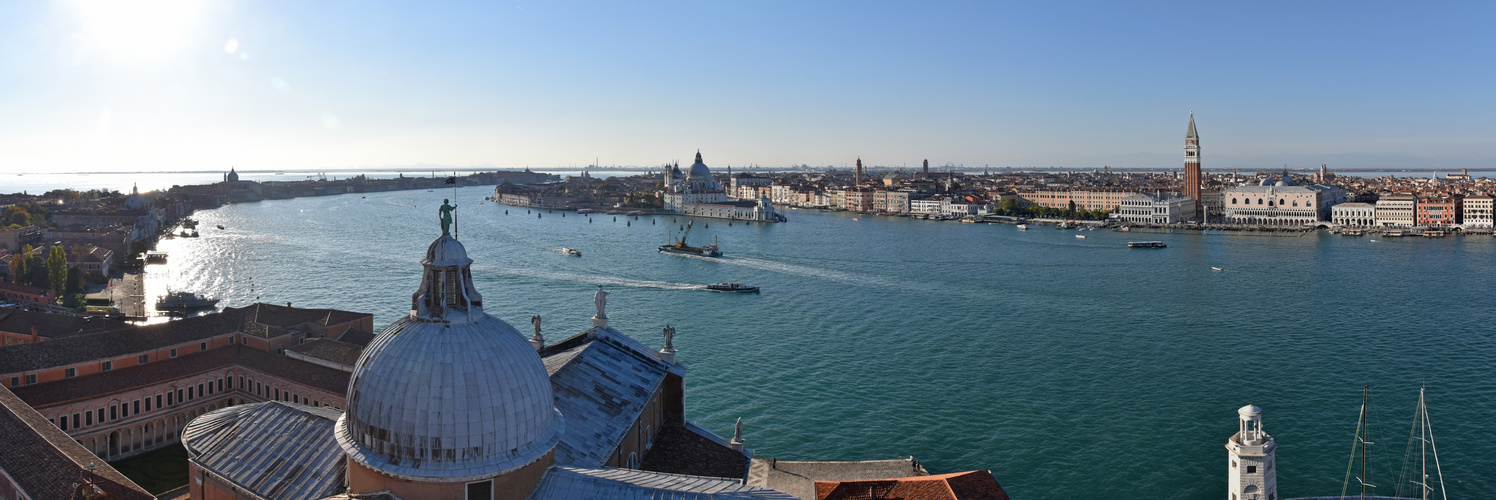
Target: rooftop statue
(601, 301)
(535, 320)
(446, 216)
(669, 336)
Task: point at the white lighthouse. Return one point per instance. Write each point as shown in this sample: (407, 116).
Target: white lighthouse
(1253, 474)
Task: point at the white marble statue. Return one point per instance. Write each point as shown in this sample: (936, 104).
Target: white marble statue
(535, 320)
(601, 301)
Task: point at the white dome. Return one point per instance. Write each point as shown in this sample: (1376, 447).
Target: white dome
(699, 169)
(1249, 411)
(448, 393)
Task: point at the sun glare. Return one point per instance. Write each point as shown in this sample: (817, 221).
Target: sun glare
(138, 29)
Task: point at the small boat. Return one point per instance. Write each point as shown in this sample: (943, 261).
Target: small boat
(220, 226)
(570, 252)
(732, 287)
(1216, 269)
(184, 301)
(1023, 227)
(1433, 234)
(1146, 244)
(1125, 228)
(583, 211)
(1081, 236)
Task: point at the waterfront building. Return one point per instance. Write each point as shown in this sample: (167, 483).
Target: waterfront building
(1079, 199)
(1280, 202)
(1162, 208)
(927, 205)
(22, 294)
(696, 193)
(858, 199)
(19, 326)
(1477, 210)
(1440, 212)
(1192, 179)
(1397, 210)
(1252, 474)
(1354, 214)
(744, 186)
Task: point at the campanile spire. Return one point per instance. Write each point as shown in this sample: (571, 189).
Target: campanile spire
(1192, 178)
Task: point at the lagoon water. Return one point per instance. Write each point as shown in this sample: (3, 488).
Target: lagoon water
(1072, 368)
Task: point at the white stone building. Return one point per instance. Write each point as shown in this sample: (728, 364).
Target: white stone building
(1478, 212)
(1280, 203)
(1397, 210)
(926, 205)
(1354, 214)
(696, 193)
(1164, 208)
(1252, 474)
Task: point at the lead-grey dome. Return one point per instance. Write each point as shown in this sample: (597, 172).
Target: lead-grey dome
(698, 169)
(448, 393)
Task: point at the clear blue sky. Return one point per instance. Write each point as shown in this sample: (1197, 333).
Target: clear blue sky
(88, 85)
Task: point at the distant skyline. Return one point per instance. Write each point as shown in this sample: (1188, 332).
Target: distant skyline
(172, 85)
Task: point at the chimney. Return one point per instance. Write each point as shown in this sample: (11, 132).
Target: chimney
(35, 333)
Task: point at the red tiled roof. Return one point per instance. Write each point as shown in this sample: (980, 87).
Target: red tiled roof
(12, 287)
(155, 372)
(54, 325)
(46, 463)
(970, 485)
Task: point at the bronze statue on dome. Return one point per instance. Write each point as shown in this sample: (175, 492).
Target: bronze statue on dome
(445, 214)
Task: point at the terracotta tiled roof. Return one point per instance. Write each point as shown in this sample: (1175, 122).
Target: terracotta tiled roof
(353, 335)
(970, 485)
(330, 350)
(135, 339)
(45, 462)
(12, 287)
(54, 325)
(155, 372)
(677, 450)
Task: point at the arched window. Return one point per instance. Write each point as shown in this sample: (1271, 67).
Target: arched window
(633, 460)
(1295, 203)
(1281, 202)
(1233, 201)
(1259, 201)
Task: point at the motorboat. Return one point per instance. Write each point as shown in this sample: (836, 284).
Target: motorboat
(732, 287)
(1023, 227)
(1082, 236)
(177, 301)
(220, 226)
(1216, 269)
(679, 246)
(1146, 244)
(570, 252)
(583, 211)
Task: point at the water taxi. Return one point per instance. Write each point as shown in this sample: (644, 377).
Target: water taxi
(1082, 236)
(571, 252)
(732, 287)
(1023, 227)
(1146, 244)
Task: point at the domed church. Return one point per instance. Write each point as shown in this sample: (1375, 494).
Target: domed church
(451, 402)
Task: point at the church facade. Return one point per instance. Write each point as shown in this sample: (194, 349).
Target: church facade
(694, 192)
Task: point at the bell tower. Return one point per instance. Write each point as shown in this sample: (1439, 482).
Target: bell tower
(1192, 166)
(1252, 474)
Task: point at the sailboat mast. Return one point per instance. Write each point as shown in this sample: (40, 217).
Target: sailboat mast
(1423, 443)
(1364, 391)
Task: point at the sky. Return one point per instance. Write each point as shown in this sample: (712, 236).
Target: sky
(189, 85)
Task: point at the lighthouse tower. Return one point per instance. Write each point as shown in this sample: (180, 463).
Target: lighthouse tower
(1192, 177)
(1253, 474)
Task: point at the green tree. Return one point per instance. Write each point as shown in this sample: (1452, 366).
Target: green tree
(15, 214)
(137, 247)
(57, 269)
(20, 266)
(75, 280)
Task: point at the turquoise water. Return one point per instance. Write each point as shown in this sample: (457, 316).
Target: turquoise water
(1072, 368)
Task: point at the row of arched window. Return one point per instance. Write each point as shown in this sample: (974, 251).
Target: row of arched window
(1281, 202)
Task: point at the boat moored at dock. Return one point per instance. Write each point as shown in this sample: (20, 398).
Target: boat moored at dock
(1146, 244)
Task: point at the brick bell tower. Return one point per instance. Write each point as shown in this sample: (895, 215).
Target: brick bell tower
(1192, 177)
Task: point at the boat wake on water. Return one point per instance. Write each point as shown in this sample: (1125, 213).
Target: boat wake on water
(811, 272)
(591, 279)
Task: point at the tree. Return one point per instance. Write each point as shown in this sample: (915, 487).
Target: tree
(137, 247)
(75, 280)
(20, 266)
(57, 269)
(15, 214)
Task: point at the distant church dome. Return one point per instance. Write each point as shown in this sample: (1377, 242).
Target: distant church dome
(233, 176)
(698, 169)
(1286, 181)
(448, 393)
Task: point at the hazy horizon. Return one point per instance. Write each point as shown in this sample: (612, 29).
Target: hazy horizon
(189, 85)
